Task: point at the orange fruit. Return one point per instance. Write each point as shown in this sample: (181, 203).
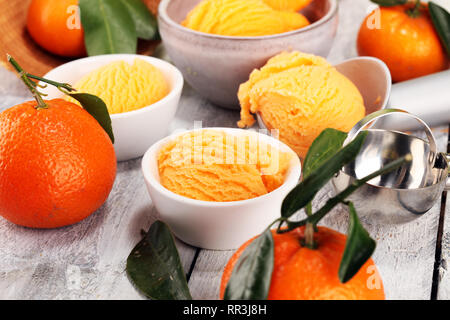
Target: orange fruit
(57, 165)
(56, 27)
(409, 45)
(303, 274)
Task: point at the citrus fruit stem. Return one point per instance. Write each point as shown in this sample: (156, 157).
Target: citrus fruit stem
(414, 12)
(309, 241)
(63, 87)
(29, 83)
(60, 86)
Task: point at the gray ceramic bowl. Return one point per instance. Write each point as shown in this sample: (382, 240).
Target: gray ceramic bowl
(216, 65)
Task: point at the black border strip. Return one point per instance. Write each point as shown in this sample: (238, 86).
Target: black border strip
(194, 261)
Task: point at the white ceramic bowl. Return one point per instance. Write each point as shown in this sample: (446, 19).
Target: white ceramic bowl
(217, 225)
(134, 131)
(216, 65)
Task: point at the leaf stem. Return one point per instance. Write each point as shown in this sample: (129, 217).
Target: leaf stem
(29, 83)
(59, 85)
(308, 209)
(340, 198)
(309, 241)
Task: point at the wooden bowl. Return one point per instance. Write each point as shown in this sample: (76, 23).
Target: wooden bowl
(15, 40)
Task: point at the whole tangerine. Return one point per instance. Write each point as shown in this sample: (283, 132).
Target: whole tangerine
(301, 273)
(405, 39)
(57, 164)
(56, 27)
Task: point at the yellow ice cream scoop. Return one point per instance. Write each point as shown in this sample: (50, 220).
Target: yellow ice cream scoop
(125, 87)
(300, 95)
(242, 18)
(288, 5)
(212, 165)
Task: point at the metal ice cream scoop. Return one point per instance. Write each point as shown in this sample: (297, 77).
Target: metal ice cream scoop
(403, 194)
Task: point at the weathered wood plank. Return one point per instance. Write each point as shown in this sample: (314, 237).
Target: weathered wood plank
(404, 253)
(404, 256)
(205, 279)
(84, 261)
(195, 111)
(87, 260)
(443, 288)
(444, 271)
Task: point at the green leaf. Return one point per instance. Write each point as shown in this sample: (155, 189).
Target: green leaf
(389, 3)
(323, 148)
(358, 248)
(96, 108)
(304, 193)
(155, 268)
(441, 21)
(108, 27)
(144, 20)
(251, 276)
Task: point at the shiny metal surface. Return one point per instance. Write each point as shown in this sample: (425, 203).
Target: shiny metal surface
(370, 121)
(404, 194)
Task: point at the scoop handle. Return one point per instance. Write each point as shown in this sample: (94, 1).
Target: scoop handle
(427, 97)
(386, 112)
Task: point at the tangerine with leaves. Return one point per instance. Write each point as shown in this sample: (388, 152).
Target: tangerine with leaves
(295, 261)
(57, 162)
(404, 37)
(300, 273)
(57, 165)
(56, 27)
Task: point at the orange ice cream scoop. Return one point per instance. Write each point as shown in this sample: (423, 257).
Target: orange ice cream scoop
(300, 95)
(288, 5)
(212, 165)
(242, 18)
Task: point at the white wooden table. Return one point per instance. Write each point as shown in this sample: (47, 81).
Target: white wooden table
(87, 260)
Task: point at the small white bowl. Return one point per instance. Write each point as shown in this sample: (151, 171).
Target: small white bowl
(134, 131)
(217, 225)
